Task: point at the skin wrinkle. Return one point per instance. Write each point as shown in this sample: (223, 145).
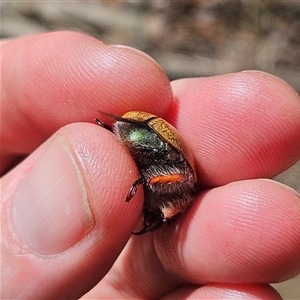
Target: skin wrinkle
(130, 266)
(265, 243)
(242, 118)
(243, 87)
(162, 271)
(235, 261)
(169, 255)
(224, 130)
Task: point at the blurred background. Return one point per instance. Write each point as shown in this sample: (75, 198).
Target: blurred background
(187, 38)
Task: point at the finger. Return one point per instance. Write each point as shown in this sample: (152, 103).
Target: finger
(239, 126)
(53, 79)
(221, 291)
(241, 233)
(64, 216)
(260, 231)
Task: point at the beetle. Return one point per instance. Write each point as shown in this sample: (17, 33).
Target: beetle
(165, 163)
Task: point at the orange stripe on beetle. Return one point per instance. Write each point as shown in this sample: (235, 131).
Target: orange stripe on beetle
(172, 178)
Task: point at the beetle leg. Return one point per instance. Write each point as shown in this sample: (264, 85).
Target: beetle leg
(134, 187)
(102, 124)
(142, 231)
(150, 227)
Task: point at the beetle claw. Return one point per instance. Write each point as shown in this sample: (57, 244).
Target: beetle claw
(102, 124)
(134, 188)
(142, 231)
(151, 227)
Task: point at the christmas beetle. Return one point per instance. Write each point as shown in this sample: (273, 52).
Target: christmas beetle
(166, 166)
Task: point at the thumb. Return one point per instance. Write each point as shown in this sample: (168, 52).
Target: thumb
(64, 216)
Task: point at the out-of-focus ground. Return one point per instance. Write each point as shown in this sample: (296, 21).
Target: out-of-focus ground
(187, 38)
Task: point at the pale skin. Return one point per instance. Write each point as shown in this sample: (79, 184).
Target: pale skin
(242, 232)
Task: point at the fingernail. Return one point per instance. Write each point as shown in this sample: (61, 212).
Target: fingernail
(50, 210)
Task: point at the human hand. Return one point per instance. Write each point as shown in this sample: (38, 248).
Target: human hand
(65, 224)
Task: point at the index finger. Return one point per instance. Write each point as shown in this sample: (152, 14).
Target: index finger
(52, 79)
